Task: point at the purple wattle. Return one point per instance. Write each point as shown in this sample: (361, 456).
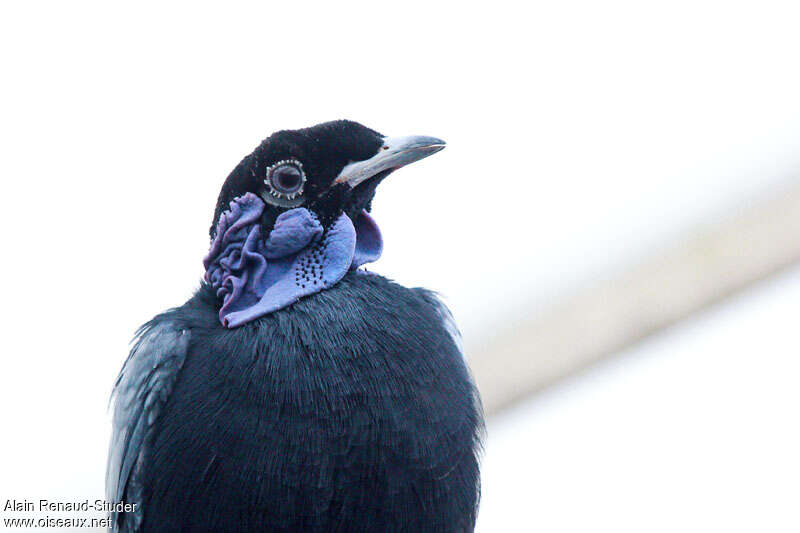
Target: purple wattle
(254, 275)
(369, 243)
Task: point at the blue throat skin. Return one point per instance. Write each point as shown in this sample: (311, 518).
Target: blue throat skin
(254, 275)
(292, 392)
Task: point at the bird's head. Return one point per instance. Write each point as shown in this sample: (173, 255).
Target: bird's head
(329, 169)
(291, 218)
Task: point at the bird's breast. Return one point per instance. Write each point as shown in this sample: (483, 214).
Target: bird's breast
(357, 393)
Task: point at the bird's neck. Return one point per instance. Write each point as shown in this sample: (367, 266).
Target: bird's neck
(255, 273)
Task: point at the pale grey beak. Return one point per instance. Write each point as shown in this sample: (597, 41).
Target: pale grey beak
(395, 152)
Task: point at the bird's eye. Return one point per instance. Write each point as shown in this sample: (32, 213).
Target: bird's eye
(285, 179)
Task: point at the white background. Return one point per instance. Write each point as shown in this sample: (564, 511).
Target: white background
(582, 135)
(693, 430)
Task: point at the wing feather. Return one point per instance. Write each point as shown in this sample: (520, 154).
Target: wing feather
(140, 393)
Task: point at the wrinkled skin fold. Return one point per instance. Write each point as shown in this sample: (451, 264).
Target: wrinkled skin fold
(255, 274)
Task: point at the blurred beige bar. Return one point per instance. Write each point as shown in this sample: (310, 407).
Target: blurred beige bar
(709, 264)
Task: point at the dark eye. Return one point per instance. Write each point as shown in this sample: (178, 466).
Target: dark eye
(285, 179)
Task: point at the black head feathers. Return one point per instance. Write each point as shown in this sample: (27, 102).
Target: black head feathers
(329, 169)
(293, 168)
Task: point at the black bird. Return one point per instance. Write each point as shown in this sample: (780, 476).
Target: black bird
(293, 391)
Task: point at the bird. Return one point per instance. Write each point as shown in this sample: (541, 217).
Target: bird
(296, 390)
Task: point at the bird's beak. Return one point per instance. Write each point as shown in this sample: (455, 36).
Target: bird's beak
(395, 152)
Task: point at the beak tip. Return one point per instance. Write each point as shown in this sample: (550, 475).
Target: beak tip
(433, 142)
(426, 146)
(395, 152)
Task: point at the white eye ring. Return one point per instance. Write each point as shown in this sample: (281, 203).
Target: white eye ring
(282, 197)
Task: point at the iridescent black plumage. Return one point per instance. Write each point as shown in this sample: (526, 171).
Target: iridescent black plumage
(350, 410)
(324, 150)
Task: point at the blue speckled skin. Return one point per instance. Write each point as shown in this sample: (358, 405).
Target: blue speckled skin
(293, 393)
(351, 410)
